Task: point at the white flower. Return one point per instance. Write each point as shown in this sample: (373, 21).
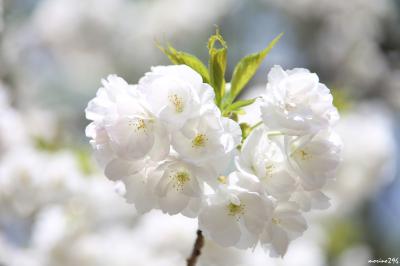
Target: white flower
(314, 158)
(123, 125)
(234, 217)
(262, 157)
(207, 137)
(176, 93)
(167, 145)
(180, 187)
(309, 200)
(139, 188)
(296, 103)
(286, 223)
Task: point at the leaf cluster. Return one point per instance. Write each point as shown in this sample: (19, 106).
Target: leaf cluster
(214, 72)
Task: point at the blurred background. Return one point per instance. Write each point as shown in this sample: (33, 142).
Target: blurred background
(56, 207)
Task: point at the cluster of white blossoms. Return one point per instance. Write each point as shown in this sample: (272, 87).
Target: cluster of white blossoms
(166, 140)
(281, 168)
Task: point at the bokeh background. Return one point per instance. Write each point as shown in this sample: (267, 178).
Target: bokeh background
(56, 207)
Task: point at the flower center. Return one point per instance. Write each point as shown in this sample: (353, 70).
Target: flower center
(180, 178)
(234, 209)
(139, 125)
(303, 155)
(177, 102)
(222, 179)
(199, 141)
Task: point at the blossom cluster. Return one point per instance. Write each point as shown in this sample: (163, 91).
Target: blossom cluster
(163, 138)
(167, 142)
(281, 168)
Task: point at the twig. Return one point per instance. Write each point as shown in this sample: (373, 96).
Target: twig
(198, 244)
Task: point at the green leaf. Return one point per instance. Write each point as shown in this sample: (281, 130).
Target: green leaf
(217, 65)
(246, 68)
(178, 58)
(237, 105)
(246, 129)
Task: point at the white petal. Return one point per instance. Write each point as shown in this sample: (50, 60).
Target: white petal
(173, 202)
(279, 241)
(219, 226)
(128, 141)
(162, 144)
(193, 208)
(257, 211)
(119, 168)
(139, 193)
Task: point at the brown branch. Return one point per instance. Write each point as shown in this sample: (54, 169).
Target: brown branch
(198, 244)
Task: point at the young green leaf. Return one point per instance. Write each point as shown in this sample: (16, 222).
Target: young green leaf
(217, 65)
(178, 57)
(246, 68)
(238, 104)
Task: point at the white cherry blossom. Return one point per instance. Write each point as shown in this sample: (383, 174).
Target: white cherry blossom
(234, 216)
(206, 136)
(296, 103)
(286, 223)
(180, 187)
(134, 174)
(122, 124)
(176, 93)
(263, 157)
(314, 158)
(310, 199)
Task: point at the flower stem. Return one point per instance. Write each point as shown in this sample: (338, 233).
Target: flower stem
(196, 252)
(256, 125)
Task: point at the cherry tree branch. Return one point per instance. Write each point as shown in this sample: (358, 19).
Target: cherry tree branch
(196, 252)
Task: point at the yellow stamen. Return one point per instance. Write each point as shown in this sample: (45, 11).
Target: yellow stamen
(177, 102)
(180, 179)
(199, 141)
(138, 124)
(234, 209)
